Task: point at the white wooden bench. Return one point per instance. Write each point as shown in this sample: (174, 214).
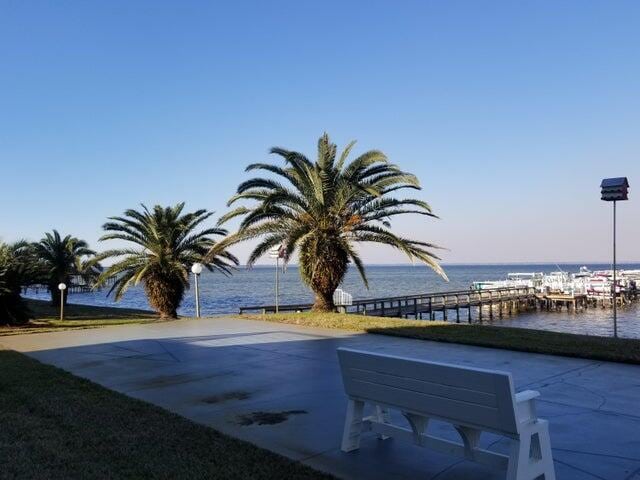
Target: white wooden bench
(470, 399)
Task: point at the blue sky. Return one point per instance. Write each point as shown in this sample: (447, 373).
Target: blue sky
(510, 113)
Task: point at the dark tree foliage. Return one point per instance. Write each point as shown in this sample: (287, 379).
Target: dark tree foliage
(60, 259)
(165, 244)
(323, 208)
(16, 271)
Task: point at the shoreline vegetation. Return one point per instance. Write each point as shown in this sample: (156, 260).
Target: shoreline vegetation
(623, 350)
(76, 316)
(58, 426)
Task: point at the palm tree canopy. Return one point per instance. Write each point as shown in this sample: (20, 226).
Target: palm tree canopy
(166, 243)
(322, 208)
(61, 258)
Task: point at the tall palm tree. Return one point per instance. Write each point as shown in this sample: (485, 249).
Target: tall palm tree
(60, 259)
(323, 208)
(166, 244)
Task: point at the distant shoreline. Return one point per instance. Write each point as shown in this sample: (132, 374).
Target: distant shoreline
(472, 264)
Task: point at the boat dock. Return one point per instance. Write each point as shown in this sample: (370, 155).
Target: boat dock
(459, 304)
(483, 300)
(77, 285)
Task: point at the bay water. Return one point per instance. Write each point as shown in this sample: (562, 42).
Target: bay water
(256, 286)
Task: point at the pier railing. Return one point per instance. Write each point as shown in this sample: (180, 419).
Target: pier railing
(415, 305)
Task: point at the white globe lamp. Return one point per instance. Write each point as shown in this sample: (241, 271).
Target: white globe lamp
(62, 287)
(196, 269)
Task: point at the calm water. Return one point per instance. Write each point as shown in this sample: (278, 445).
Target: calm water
(220, 294)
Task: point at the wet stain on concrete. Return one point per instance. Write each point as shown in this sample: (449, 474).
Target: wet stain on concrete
(224, 397)
(91, 364)
(267, 418)
(166, 380)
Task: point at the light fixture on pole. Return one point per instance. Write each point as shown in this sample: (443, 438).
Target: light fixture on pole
(277, 253)
(196, 269)
(614, 190)
(62, 287)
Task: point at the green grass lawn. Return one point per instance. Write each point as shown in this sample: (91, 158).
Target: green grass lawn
(525, 340)
(76, 316)
(54, 425)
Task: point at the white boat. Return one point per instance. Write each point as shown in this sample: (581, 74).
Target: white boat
(513, 280)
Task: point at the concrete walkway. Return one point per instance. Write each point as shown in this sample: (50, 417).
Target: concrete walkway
(279, 387)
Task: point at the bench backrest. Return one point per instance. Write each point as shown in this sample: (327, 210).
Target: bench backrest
(472, 397)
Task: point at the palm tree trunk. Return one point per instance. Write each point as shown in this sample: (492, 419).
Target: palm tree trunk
(324, 302)
(164, 295)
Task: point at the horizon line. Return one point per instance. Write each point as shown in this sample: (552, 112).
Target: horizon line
(453, 264)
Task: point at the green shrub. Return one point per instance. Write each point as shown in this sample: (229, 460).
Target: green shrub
(14, 274)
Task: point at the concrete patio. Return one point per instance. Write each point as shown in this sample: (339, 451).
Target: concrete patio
(278, 386)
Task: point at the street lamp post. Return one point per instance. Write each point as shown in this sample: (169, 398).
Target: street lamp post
(196, 268)
(62, 287)
(614, 190)
(277, 253)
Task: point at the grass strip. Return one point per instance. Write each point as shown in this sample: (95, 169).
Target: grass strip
(525, 340)
(76, 316)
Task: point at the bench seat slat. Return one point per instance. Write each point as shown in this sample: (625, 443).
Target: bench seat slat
(438, 407)
(467, 378)
(436, 389)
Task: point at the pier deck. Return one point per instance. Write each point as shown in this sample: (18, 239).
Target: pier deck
(458, 303)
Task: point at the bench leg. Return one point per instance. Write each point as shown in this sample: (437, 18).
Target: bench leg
(352, 426)
(382, 416)
(531, 455)
(418, 426)
(470, 438)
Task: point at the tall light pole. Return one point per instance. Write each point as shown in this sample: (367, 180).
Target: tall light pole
(277, 253)
(614, 190)
(196, 269)
(62, 287)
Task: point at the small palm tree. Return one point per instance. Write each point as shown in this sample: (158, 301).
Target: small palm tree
(60, 259)
(323, 208)
(167, 243)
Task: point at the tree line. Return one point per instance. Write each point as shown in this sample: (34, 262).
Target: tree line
(319, 209)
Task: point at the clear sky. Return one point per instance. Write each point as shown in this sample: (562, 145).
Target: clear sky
(509, 112)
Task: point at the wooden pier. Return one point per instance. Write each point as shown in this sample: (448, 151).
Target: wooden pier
(77, 285)
(463, 304)
(456, 305)
(555, 301)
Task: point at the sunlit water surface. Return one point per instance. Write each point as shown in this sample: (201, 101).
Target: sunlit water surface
(220, 294)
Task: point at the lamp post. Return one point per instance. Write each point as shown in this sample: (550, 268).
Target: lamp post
(277, 253)
(62, 287)
(614, 190)
(196, 268)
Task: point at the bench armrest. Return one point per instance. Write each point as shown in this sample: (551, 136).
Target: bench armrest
(525, 406)
(526, 396)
